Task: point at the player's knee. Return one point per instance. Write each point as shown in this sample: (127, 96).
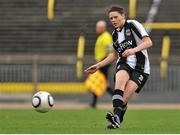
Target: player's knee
(120, 84)
(121, 79)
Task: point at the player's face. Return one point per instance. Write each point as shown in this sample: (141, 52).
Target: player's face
(117, 19)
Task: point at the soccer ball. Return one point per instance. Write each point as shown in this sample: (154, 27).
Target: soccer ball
(42, 101)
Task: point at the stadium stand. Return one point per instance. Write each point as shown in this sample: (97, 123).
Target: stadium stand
(168, 12)
(25, 28)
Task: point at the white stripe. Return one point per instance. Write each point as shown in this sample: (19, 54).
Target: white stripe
(147, 64)
(117, 97)
(139, 27)
(131, 61)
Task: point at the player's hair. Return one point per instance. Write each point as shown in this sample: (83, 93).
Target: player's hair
(116, 8)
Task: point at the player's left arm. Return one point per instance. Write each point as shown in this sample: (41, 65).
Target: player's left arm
(143, 35)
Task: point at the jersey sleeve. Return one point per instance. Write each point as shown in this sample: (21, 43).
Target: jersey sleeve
(138, 29)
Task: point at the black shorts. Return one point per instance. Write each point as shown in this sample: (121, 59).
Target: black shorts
(138, 77)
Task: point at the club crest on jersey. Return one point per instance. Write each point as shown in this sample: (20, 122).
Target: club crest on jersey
(128, 32)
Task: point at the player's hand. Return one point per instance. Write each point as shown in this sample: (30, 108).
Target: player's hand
(92, 68)
(128, 52)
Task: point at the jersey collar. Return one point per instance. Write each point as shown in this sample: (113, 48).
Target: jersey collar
(120, 29)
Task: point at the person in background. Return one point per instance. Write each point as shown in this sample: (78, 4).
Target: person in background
(103, 48)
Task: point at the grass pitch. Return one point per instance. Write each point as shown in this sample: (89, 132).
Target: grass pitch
(88, 121)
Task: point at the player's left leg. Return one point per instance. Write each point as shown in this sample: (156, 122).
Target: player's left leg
(124, 108)
(136, 82)
(130, 89)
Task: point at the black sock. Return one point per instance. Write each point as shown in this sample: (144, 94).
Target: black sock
(117, 99)
(124, 108)
(110, 91)
(94, 101)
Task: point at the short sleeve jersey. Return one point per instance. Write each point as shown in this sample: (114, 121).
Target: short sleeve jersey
(130, 36)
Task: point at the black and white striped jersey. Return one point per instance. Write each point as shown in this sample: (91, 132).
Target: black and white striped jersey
(131, 36)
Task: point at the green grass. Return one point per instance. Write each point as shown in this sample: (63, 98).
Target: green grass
(88, 121)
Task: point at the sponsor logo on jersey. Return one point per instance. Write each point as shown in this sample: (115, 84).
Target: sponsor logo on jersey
(125, 45)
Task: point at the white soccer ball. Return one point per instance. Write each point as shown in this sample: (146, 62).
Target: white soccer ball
(42, 101)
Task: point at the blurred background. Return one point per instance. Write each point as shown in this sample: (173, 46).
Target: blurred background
(47, 44)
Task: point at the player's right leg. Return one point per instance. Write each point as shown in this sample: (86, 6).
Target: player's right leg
(122, 78)
(112, 119)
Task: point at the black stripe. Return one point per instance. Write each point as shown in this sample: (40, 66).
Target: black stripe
(123, 59)
(117, 103)
(39, 99)
(115, 36)
(118, 92)
(49, 102)
(136, 30)
(140, 61)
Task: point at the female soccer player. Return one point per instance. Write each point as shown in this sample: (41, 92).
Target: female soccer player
(130, 41)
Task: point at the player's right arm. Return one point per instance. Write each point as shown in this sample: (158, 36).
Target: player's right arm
(111, 57)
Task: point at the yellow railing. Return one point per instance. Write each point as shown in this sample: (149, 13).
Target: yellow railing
(78, 87)
(70, 87)
(50, 9)
(166, 39)
(163, 25)
(165, 56)
(132, 9)
(80, 55)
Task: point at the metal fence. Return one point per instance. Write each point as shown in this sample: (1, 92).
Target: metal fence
(57, 70)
